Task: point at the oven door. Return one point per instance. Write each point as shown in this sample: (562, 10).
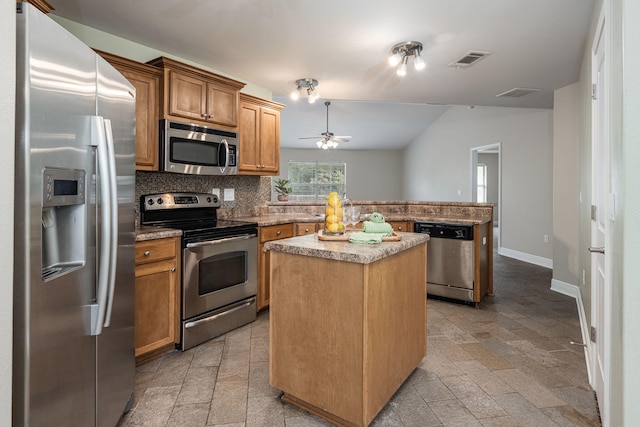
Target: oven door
(218, 273)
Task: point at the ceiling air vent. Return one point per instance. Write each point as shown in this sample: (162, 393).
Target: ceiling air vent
(469, 59)
(517, 92)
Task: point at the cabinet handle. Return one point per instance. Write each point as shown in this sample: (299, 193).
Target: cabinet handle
(278, 232)
(306, 230)
(173, 269)
(147, 253)
(205, 115)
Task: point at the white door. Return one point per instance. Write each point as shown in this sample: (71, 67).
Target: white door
(600, 282)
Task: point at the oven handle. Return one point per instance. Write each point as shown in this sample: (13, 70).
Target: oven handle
(195, 323)
(220, 241)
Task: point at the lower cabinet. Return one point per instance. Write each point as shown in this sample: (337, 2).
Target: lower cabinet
(402, 225)
(268, 233)
(304, 228)
(157, 304)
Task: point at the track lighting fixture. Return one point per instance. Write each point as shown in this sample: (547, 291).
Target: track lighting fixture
(306, 87)
(400, 54)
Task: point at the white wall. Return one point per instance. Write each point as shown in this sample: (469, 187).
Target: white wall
(7, 124)
(566, 209)
(371, 174)
(437, 164)
(117, 45)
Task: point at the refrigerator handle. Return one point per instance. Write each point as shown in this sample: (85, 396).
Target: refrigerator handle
(113, 218)
(98, 139)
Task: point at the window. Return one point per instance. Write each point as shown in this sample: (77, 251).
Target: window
(482, 183)
(312, 180)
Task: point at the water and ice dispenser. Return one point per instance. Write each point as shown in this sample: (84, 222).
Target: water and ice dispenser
(64, 221)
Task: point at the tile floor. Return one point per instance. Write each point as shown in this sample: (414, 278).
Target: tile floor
(508, 363)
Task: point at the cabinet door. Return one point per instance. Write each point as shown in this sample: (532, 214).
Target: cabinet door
(222, 105)
(264, 268)
(269, 141)
(155, 303)
(188, 96)
(146, 119)
(267, 234)
(249, 134)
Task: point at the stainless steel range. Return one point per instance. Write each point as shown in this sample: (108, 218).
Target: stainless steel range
(219, 263)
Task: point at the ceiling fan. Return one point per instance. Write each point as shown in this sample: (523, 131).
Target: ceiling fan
(328, 139)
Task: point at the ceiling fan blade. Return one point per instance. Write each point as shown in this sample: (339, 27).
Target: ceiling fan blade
(342, 136)
(311, 137)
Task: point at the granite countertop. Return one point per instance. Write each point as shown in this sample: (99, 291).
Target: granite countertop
(145, 232)
(275, 219)
(310, 245)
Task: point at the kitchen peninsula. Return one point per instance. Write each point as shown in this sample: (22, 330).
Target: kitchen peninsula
(347, 323)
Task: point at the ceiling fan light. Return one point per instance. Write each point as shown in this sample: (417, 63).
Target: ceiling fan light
(295, 94)
(418, 63)
(319, 144)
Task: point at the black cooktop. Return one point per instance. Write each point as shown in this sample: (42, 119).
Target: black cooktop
(193, 213)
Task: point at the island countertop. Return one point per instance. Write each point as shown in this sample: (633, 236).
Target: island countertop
(311, 245)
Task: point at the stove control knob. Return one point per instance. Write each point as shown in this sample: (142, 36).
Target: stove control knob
(208, 199)
(150, 202)
(160, 201)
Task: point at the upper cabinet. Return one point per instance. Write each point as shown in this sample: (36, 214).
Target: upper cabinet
(197, 95)
(146, 79)
(259, 135)
(42, 5)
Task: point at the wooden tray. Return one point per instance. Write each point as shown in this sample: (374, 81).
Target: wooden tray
(345, 237)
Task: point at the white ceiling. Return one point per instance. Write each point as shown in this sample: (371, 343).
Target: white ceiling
(345, 45)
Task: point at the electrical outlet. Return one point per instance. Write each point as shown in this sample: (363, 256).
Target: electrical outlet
(229, 195)
(215, 191)
(546, 238)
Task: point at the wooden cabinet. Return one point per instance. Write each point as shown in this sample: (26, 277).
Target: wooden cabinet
(304, 228)
(259, 135)
(157, 302)
(402, 225)
(42, 5)
(197, 95)
(146, 79)
(344, 336)
(267, 234)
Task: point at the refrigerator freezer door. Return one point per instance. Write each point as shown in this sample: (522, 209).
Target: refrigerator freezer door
(54, 352)
(116, 357)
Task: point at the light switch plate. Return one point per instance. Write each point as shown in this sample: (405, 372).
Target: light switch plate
(229, 195)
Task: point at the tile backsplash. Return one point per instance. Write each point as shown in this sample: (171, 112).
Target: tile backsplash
(251, 192)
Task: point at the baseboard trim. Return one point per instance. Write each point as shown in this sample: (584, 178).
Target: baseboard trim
(522, 256)
(573, 291)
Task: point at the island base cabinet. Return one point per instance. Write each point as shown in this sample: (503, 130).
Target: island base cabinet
(344, 336)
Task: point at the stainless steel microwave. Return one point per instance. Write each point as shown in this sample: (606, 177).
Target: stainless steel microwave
(197, 150)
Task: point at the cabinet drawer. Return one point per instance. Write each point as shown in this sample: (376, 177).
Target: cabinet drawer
(275, 232)
(401, 225)
(155, 250)
(303, 228)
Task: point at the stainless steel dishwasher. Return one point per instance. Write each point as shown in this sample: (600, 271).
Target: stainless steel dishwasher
(450, 262)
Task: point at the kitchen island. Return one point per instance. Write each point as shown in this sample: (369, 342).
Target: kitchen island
(347, 323)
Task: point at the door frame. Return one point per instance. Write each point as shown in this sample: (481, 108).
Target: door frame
(492, 148)
(601, 106)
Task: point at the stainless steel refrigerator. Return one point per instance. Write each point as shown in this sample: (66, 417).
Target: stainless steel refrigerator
(74, 362)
